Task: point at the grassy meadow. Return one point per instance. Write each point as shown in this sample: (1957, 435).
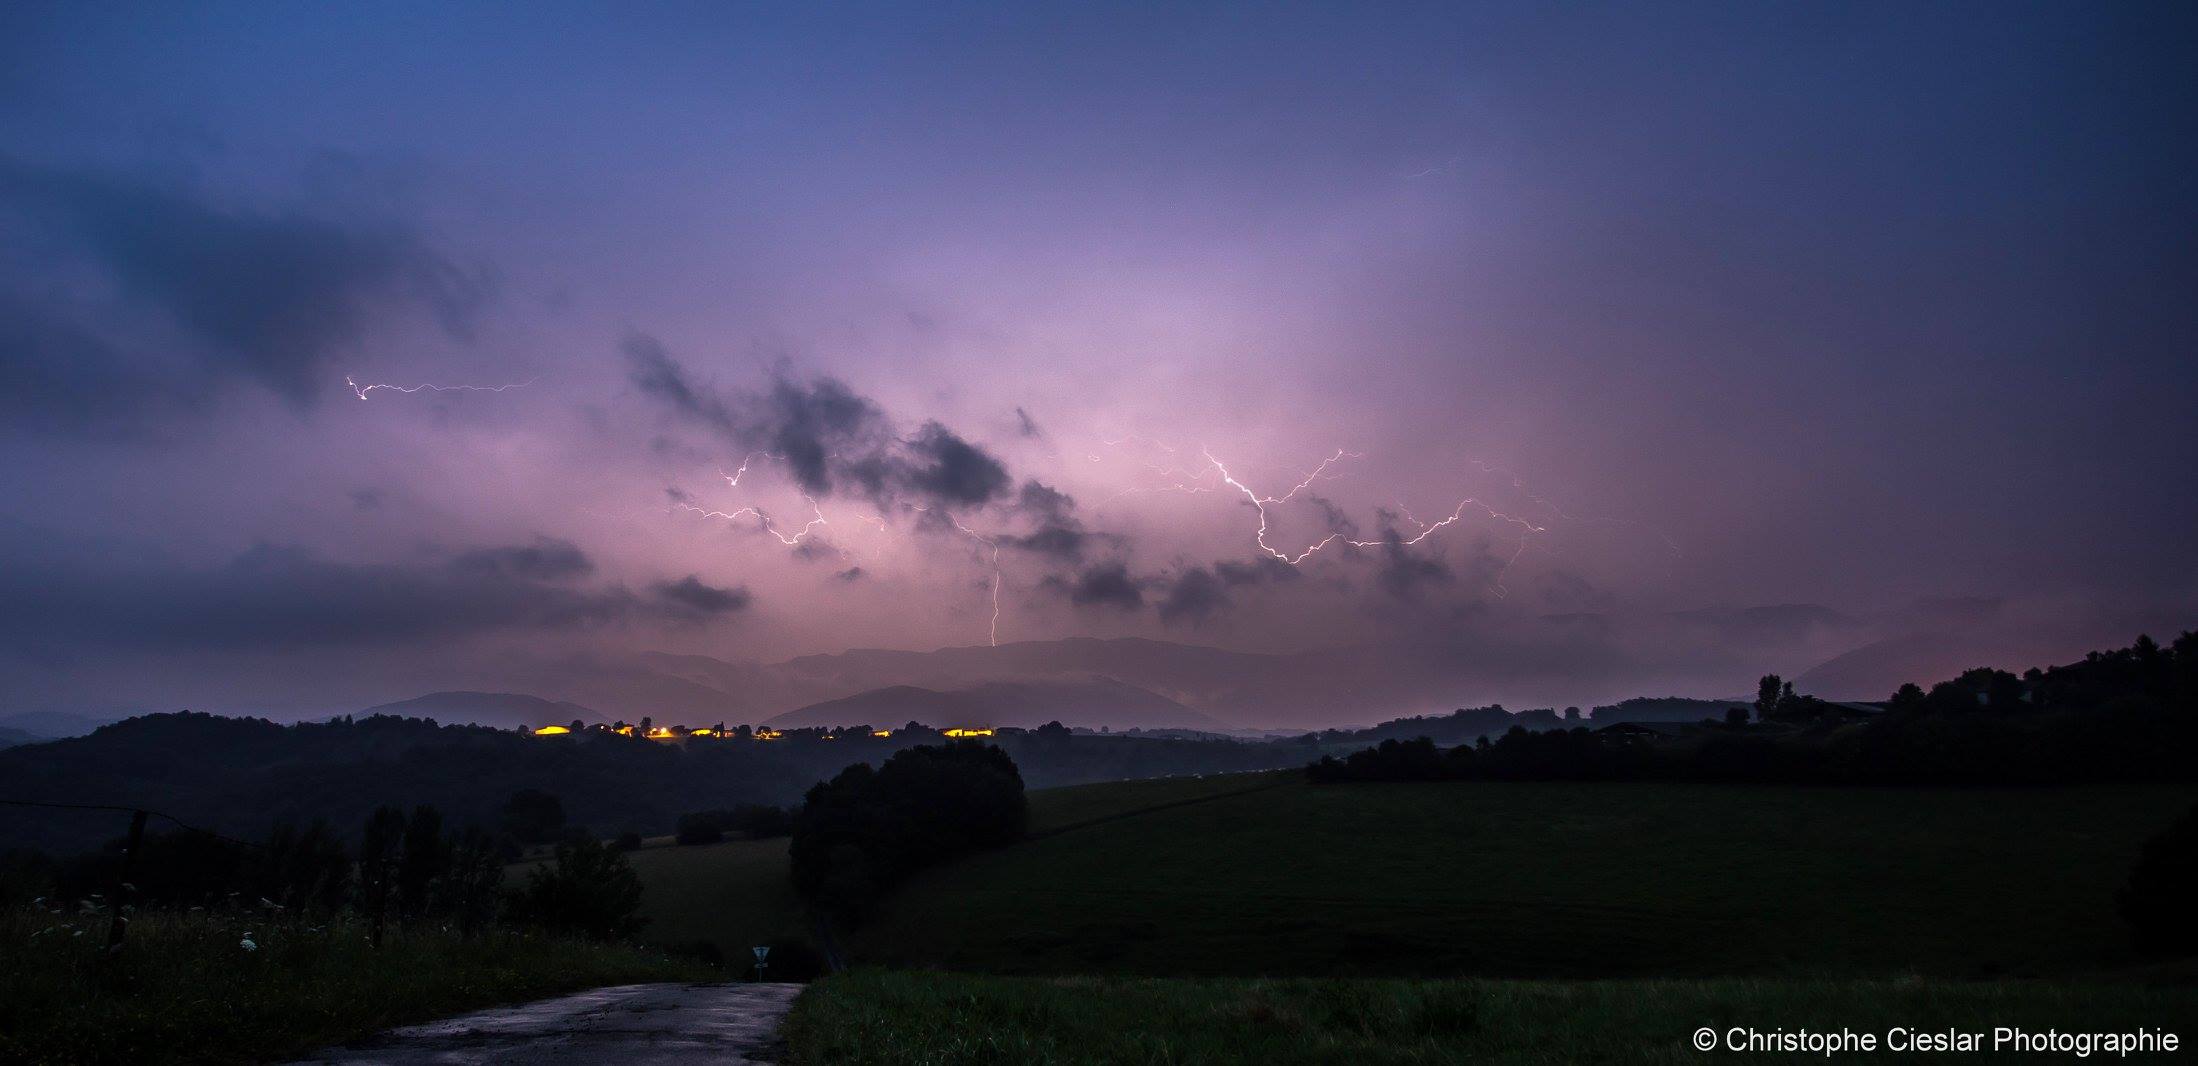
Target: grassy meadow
(186, 990)
(733, 895)
(1541, 880)
(866, 1016)
(740, 893)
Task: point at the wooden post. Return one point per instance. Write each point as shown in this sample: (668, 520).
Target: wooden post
(120, 923)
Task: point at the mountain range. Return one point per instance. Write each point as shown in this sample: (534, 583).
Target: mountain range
(1095, 702)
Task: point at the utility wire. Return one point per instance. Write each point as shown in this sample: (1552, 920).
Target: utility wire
(132, 810)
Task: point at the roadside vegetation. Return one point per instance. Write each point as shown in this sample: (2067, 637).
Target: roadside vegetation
(240, 951)
(244, 984)
(868, 1016)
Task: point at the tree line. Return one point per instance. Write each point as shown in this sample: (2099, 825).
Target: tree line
(407, 870)
(2128, 715)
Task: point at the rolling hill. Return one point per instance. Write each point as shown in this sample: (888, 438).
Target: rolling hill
(1282, 877)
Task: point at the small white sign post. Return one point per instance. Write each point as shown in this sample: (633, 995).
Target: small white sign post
(762, 953)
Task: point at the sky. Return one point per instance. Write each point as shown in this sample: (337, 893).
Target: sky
(344, 351)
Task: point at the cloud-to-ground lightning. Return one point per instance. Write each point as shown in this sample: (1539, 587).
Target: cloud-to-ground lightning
(990, 542)
(362, 391)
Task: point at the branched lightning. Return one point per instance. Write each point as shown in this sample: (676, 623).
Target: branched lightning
(361, 391)
(763, 520)
(733, 479)
(818, 521)
(1178, 481)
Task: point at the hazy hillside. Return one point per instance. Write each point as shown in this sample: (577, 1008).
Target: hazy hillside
(54, 724)
(1339, 686)
(242, 775)
(11, 737)
(1662, 709)
(501, 710)
(885, 708)
(1091, 703)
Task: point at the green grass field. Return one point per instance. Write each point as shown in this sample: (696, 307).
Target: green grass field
(186, 990)
(734, 895)
(1536, 880)
(740, 893)
(867, 1016)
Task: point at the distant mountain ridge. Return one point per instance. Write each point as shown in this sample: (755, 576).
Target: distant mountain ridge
(54, 725)
(502, 710)
(10, 738)
(1092, 703)
(1540, 662)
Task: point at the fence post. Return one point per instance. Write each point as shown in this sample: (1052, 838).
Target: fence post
(120, 923)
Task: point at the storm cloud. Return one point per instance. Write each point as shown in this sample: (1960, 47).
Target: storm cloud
(829, 438)
(267, 297)
(1107, 584)
(280, 596)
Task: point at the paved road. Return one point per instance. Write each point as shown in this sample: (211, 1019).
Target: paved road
(634, 1025)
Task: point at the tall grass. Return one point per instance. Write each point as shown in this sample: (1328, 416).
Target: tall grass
(245, 984)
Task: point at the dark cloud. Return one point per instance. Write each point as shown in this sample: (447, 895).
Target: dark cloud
(1193, 597)
(57, 375)
(1403, 573)
(1026, 425)
(283, 597)
(952, 470)
(808, 423)
(852, 573)
(691, 594)
(547, 559)
(653, 370)
(368, 499)
(1256, 571)
(1107, 584)
(1056, 532)
(268, 297)
(828, 436)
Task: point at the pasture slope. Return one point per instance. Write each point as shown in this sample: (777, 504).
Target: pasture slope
(1543, 880)
(1260, 918)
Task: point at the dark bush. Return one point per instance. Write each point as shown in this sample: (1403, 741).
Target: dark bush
(587, 890)
(533, 816)
(753, 820)
(866, 830)
(2160, 902)
(701, 827)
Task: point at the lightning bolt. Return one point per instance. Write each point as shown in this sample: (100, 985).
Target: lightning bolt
(361, 391)
(733, 479)
(818, 521)
(1528, 528)
(990, 542)
(763, 520)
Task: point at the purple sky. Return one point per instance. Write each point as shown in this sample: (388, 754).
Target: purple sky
(1880, 307)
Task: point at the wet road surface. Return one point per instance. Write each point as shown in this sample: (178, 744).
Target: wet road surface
(640, 1025)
